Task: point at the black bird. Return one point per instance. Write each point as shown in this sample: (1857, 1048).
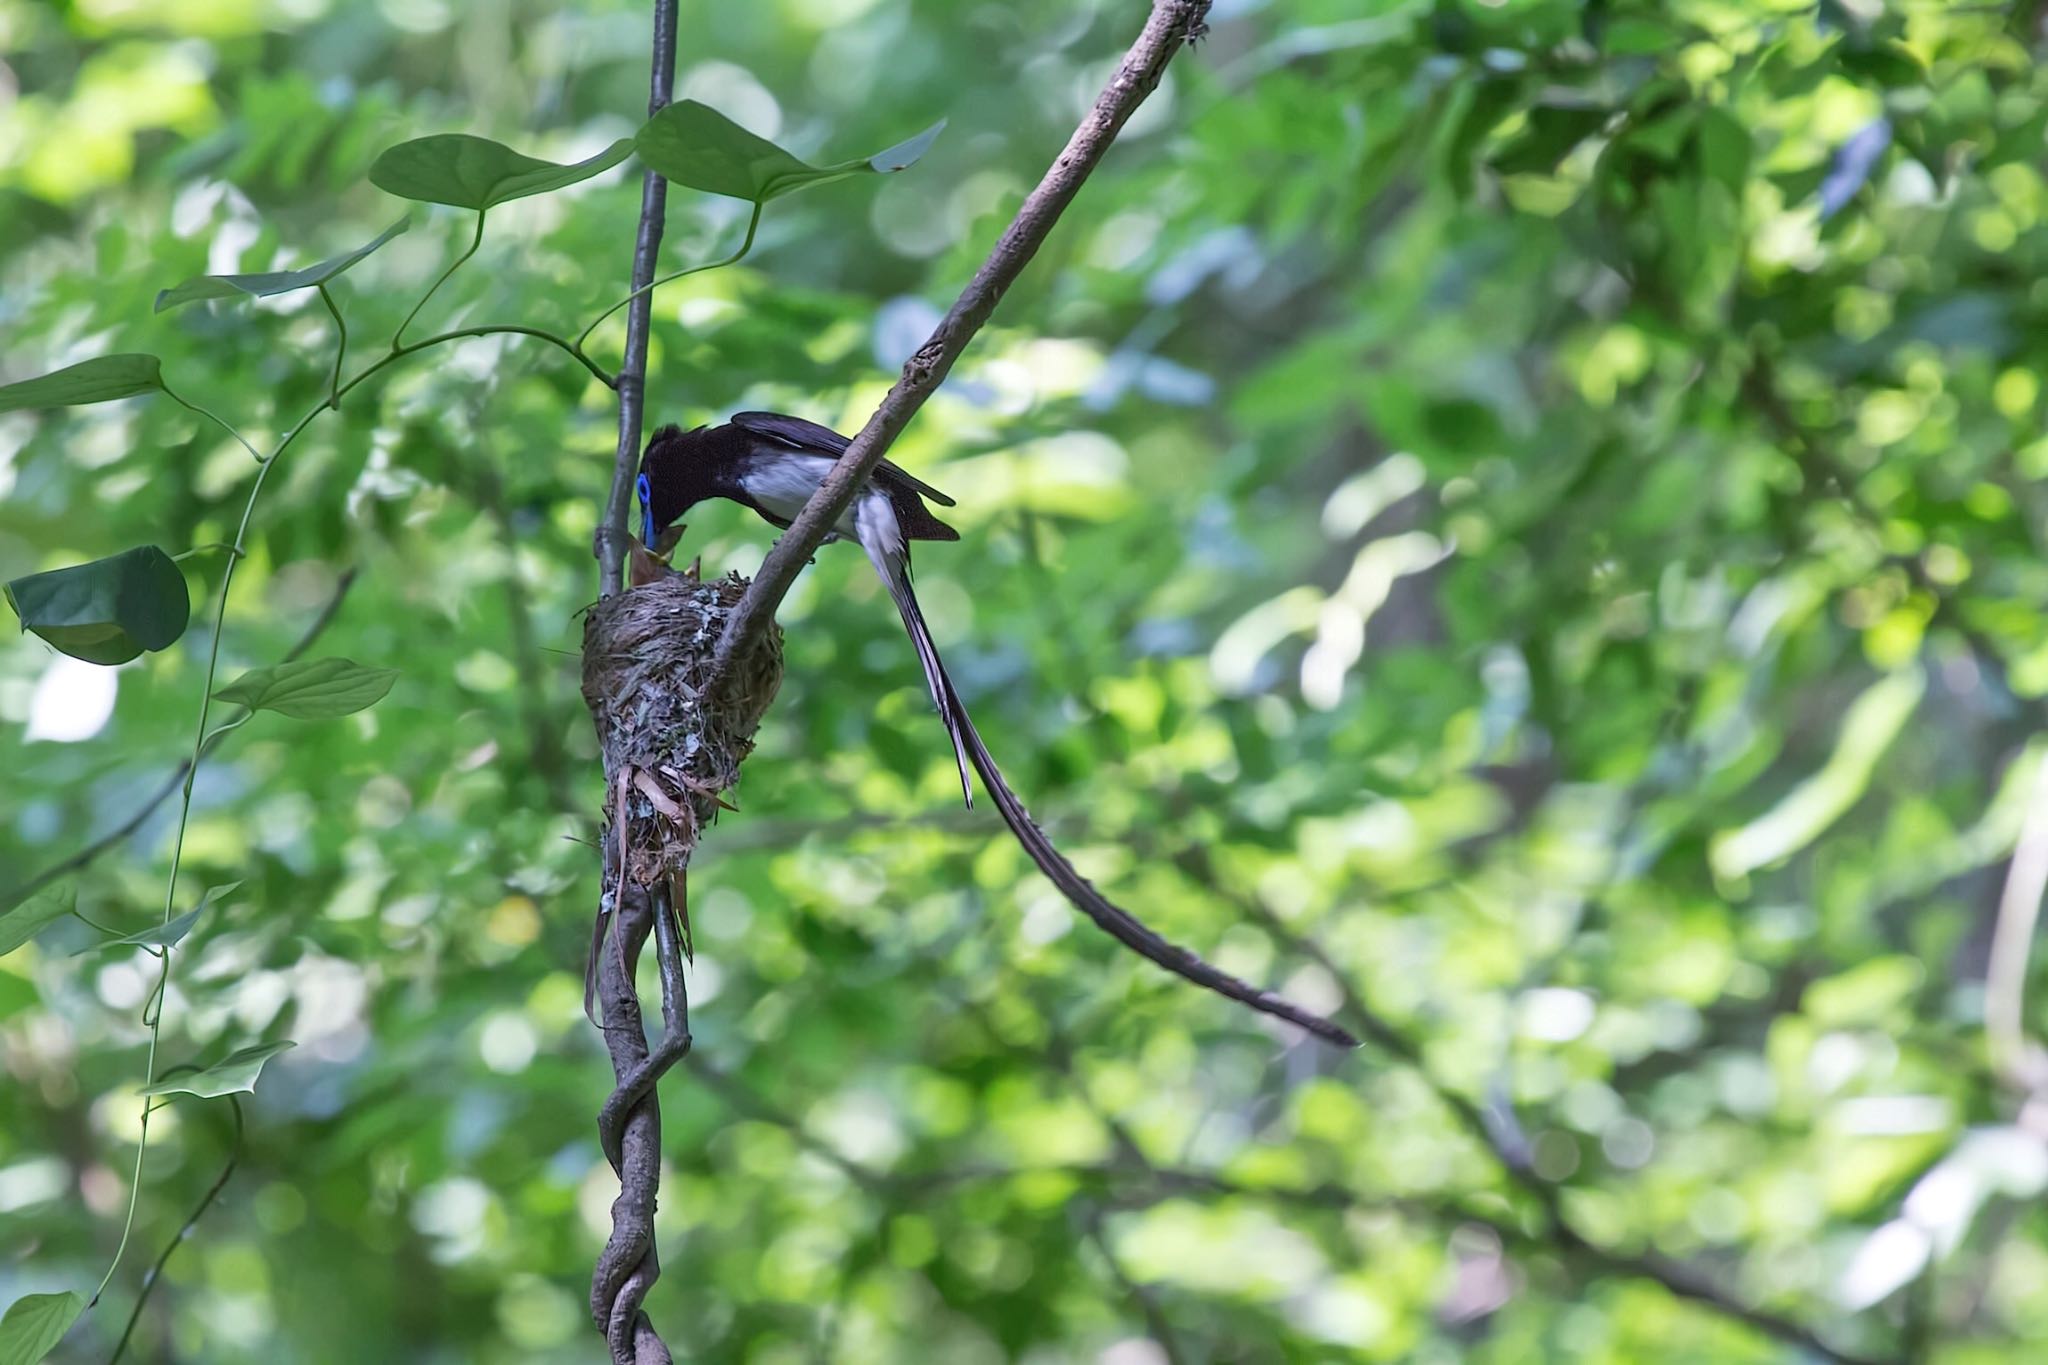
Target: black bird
(773, 464)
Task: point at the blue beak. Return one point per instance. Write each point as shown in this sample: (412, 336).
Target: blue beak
(646, 513)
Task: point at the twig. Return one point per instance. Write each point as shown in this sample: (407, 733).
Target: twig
(631, 382)
(1168, 29)
(178, 1238)
(171, 784)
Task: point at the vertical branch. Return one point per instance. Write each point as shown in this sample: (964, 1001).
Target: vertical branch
(612, 535)
(629, 1264)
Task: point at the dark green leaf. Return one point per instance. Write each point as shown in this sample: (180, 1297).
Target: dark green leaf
(695, 145)
(476, 173)
(107, 611)
(25, 921)
(100, 380)
(274, 281)
(235, 1072)
(311, 689)
(34, 1324)
(171, 931)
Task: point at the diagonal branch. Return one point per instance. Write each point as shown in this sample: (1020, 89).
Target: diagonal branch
(1172, 25)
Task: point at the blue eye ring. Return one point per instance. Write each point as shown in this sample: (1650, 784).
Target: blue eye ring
(646, 512)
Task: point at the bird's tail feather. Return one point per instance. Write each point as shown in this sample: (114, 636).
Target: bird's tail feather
(1119, 923)
(897, 576)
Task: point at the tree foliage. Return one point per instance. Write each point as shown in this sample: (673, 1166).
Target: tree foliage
(1515, 522)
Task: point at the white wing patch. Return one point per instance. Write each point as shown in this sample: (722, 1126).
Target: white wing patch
(783, 483)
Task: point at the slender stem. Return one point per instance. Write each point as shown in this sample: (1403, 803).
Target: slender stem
(398, 336)
(191, 1221)
(212, 417)
(609, 543)
(753, 222)
(141, 813)
(202, 549)
(566, 346)
(82, 916)
(201, 737)
(228, 727)
(341, 347)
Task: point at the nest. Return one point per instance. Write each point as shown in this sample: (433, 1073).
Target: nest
(646, 657)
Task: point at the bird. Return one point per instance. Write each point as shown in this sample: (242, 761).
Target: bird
(773, 463)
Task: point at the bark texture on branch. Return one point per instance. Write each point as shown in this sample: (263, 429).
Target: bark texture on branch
(1172, 25)
(645, 655)
(629, 1266)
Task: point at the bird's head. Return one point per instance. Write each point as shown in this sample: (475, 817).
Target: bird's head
(670, 481)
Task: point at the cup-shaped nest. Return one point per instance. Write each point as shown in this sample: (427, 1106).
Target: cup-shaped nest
(646, 658)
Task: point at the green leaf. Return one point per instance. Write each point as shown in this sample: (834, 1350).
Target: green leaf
(107, 611)
(273, 281)
(25, 921)
(34, 1324)
(1724, 148)
(235, 1072)
(99, 380)
(1552, 132)
(166, 934)
(476, 173)
(311, 689)
(695, 145)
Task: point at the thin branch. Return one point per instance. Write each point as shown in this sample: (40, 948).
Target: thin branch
(631, 382)
(156, 1271)
(1171, 25)
(171, 784)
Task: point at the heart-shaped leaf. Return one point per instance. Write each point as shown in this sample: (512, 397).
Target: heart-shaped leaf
(695, 145)
(108, 611)
(25, 921)
(273, 281)
(99, 380)
(235, 1072)
(476, 173)
(310, 689)
(169, 932)
(34, 1324)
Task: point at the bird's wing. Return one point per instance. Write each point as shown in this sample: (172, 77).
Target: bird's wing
(799, 434)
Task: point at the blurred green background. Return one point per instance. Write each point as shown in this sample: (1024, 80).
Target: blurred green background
(1519, 522)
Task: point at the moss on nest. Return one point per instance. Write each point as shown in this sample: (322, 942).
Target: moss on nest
(646, 656)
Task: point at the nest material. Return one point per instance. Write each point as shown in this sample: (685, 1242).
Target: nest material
(646, 656)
